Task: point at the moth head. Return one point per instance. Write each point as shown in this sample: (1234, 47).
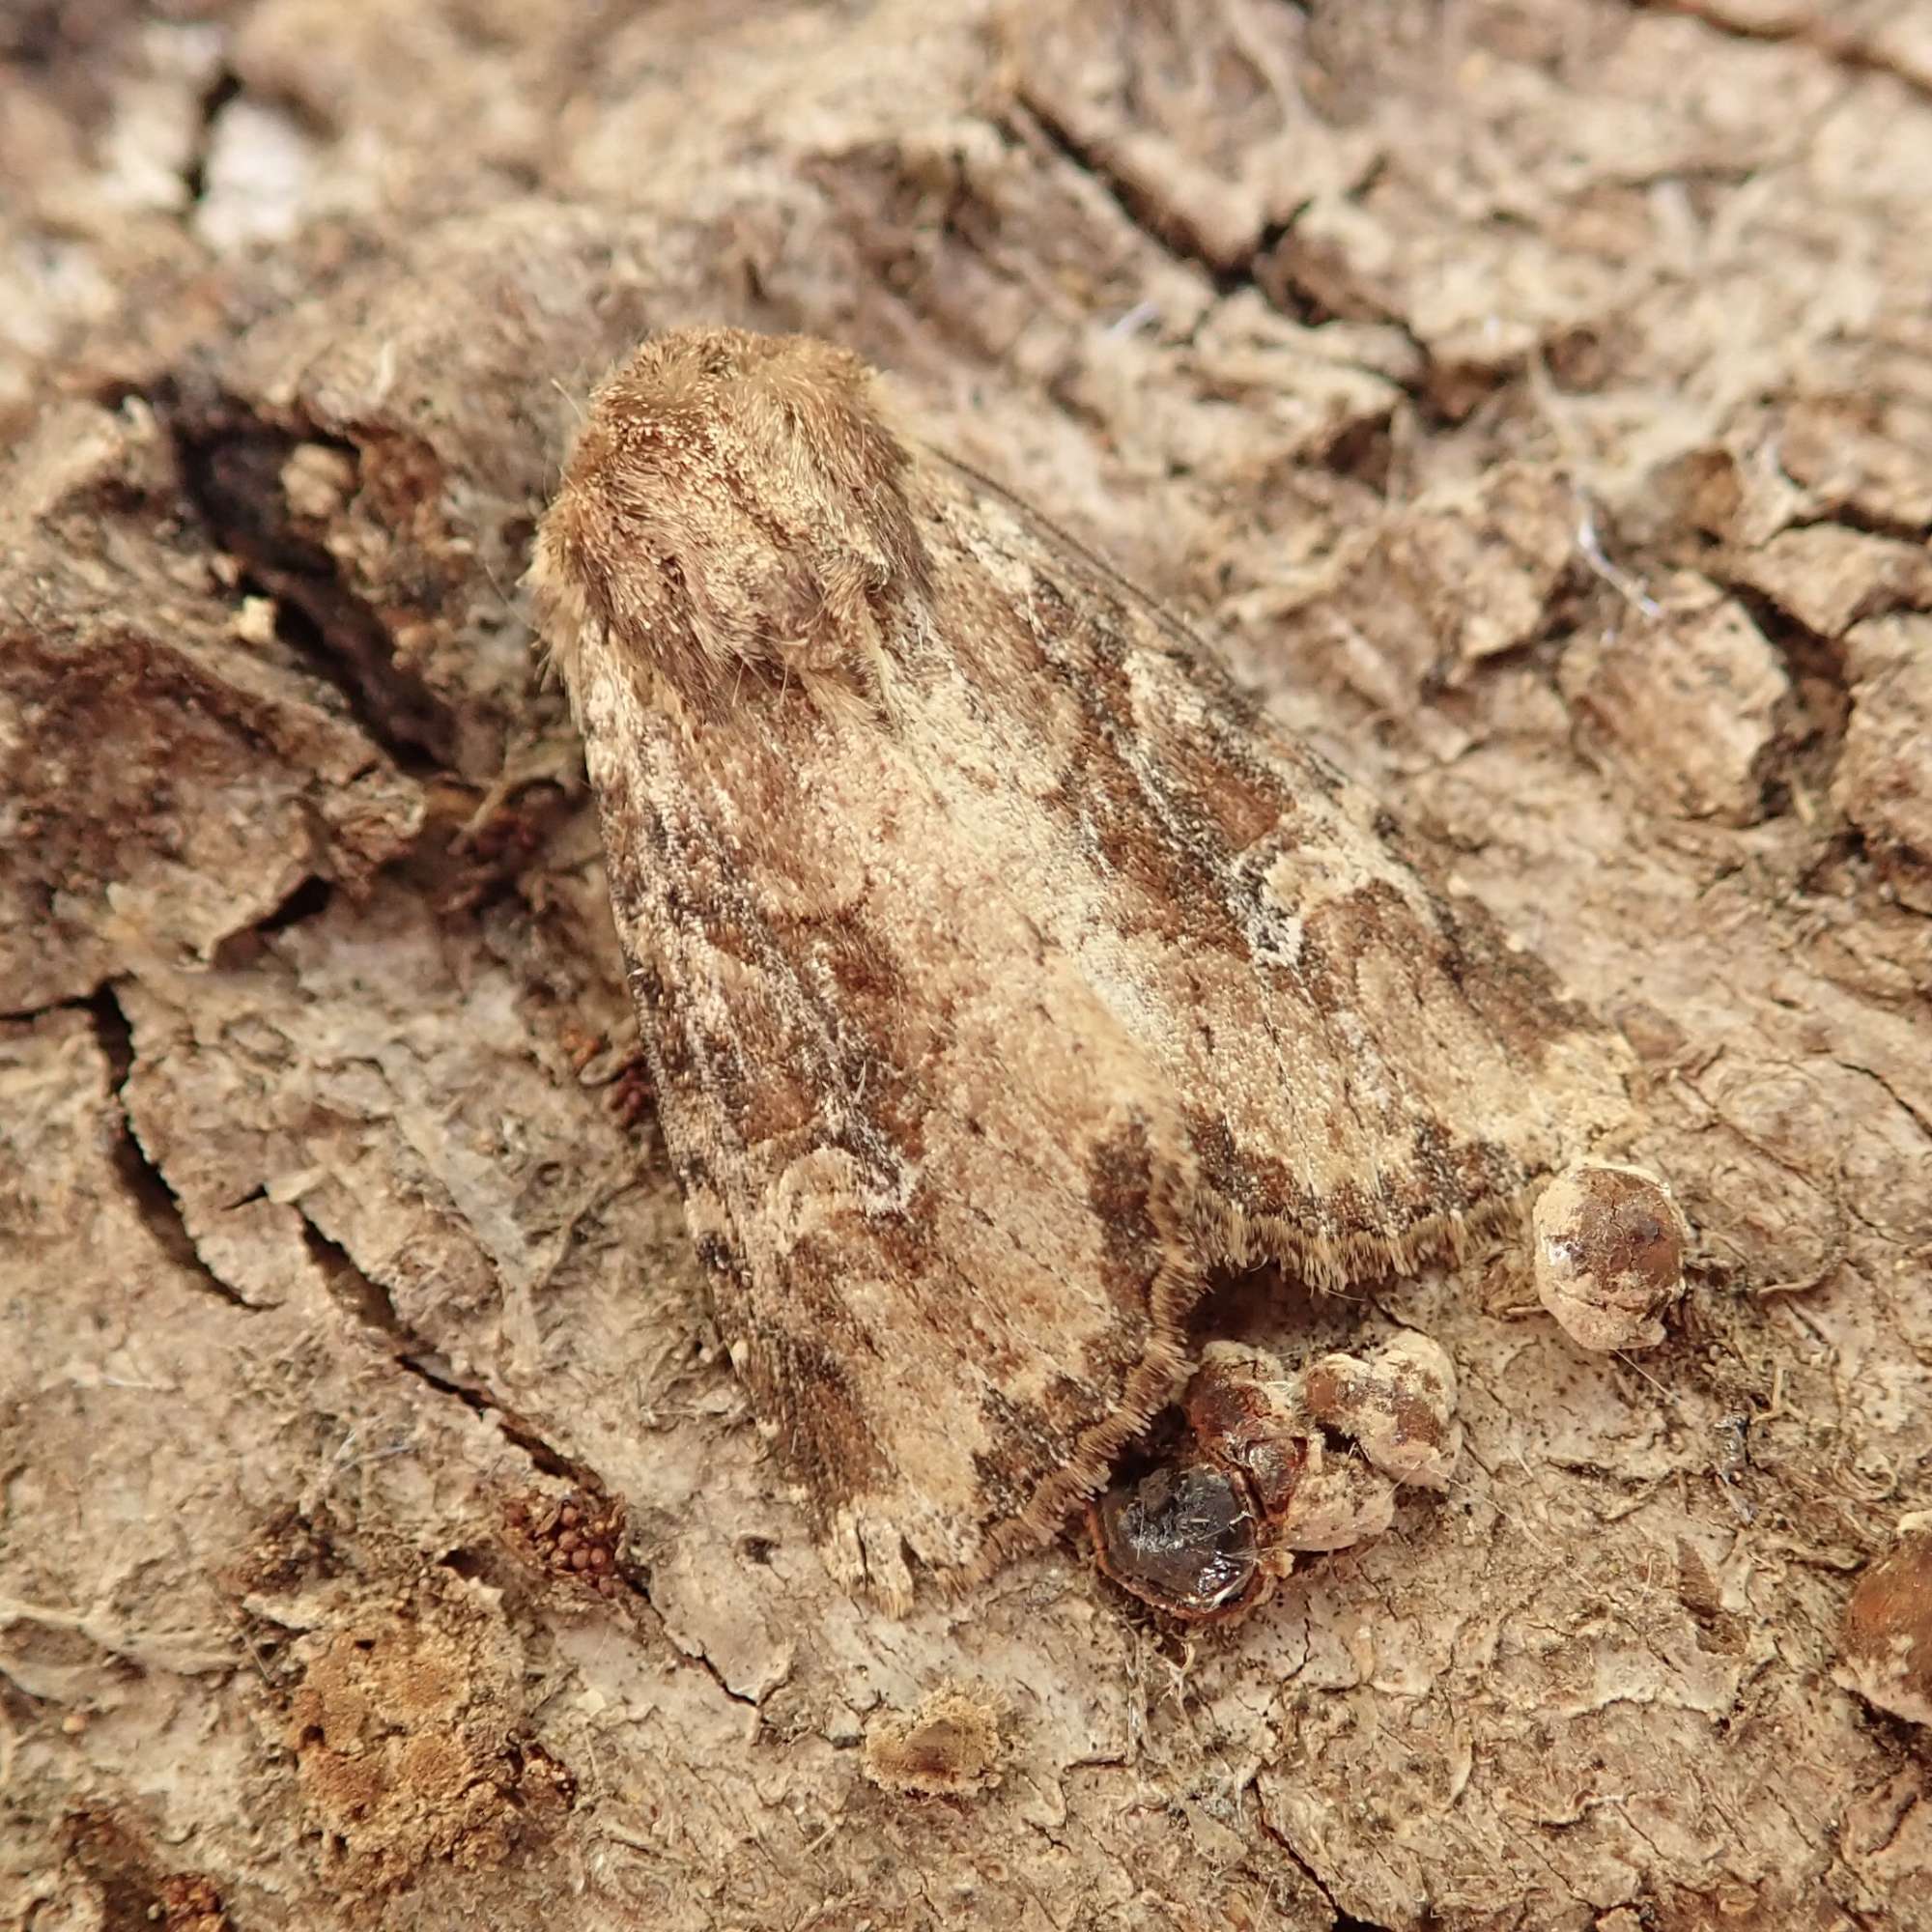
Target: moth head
(733, 514)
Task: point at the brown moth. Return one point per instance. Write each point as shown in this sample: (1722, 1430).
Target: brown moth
(1002, 968)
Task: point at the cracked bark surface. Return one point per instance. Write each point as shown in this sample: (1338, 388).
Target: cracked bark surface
(1533, 401)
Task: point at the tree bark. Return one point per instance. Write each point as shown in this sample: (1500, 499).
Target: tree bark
(1533, 401)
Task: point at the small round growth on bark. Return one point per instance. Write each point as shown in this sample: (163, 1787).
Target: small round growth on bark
(1185, 1540)
(1245, 1410)
(1609, 1254)
(1887, 1640)
(575, 1536)
(1399, 1405)
(949, 1748)
(1282, 1461)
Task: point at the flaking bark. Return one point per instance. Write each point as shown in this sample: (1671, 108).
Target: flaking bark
(1532, 401)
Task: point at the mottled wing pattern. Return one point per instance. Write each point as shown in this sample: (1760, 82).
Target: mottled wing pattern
(1001, 967)
(1365, 1066)
(940, 1190)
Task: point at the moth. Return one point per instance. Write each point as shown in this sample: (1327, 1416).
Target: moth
(1002, 968)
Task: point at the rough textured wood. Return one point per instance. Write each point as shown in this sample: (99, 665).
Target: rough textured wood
(1534, 399)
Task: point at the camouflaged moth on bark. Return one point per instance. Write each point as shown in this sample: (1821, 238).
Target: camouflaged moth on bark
(1001, 966)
